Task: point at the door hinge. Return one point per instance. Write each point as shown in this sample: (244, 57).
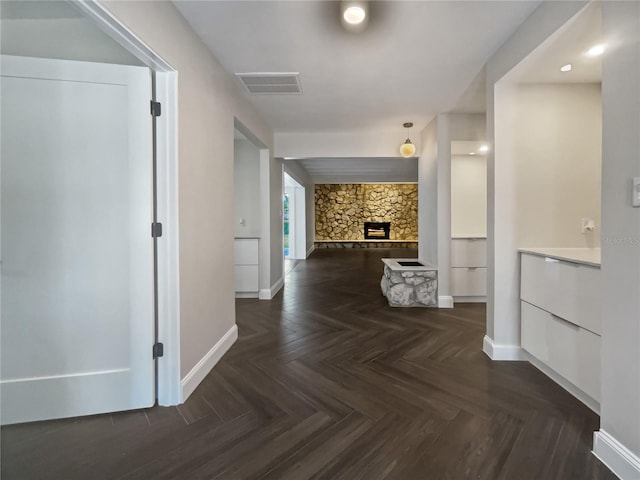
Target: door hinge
(156, 108)
(158, 350)
(156, 230)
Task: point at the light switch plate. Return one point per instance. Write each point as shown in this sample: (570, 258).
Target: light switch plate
(636, 192)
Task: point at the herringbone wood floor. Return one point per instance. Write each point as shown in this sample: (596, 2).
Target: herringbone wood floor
(327, 381)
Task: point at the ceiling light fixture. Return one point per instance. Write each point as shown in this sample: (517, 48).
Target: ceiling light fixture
(566, 68)
(596, 50)
(407, 149)
(472, 153)
(483, 148)
(354, 15)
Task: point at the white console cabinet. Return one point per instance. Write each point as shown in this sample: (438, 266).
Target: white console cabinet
(246, 255)
(469, 269)
(560, 321)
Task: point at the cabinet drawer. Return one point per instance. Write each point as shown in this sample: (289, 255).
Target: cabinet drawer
(468, 252)
(246, 278)
(570, 350)
(246, 251)
(469, 282)
(568, 290)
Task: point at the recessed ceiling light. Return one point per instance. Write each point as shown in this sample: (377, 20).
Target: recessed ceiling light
(596, 50)
(472, 153)
(566, 68)
(484, 148)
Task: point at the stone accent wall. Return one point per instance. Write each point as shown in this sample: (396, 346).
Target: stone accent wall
(342, 209)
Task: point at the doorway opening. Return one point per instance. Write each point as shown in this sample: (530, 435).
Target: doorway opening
(287, 224)
(294, 222)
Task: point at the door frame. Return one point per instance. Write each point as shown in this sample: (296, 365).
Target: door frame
(166, 84)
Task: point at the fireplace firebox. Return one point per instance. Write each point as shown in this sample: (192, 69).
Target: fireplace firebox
(377, 230)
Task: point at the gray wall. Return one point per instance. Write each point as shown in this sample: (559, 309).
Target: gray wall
(620, 405)
(208, 101)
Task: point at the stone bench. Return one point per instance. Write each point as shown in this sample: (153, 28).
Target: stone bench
(409, 285)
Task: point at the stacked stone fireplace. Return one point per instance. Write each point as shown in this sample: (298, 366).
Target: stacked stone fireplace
(366, 215)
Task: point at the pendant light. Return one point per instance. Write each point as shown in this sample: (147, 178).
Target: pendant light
(407, 149)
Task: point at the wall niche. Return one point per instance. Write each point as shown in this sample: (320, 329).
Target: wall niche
(342, 209)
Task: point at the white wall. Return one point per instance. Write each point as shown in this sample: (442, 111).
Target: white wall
(620, 399)
(443, 206)
(300, 224)
(428, 194)
(468, 195)
(556, 133)
(467, 126)
(434, 190)
(276, 217)
(246, 193)
(208, 101)
(503, 313)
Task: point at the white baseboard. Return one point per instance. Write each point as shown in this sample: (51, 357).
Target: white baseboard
(206, 363)
(469, 299)
(445, 301)
(269, 293)
(311, 250)
(502, 352)
(618, 458)
(585, 398)
(247, 294)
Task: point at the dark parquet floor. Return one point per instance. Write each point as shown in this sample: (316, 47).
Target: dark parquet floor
(328, 382)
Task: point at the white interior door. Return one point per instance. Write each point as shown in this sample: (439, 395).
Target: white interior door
(76, 248)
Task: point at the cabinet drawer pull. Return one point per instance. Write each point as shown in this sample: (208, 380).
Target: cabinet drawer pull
(566, 322)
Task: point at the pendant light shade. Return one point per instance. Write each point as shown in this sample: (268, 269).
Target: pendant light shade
(407, 149)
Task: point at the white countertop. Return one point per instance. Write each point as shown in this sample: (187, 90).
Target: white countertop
(585, 256)
(468, 237)
(393, 264)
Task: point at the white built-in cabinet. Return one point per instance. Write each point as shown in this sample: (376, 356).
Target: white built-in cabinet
(246, 261)
(560, 321)
(469, 269)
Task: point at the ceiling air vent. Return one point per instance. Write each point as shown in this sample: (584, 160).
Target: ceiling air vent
(271, 83)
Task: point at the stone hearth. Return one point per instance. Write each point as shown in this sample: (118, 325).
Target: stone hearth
(367, 244)
(409, 286)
